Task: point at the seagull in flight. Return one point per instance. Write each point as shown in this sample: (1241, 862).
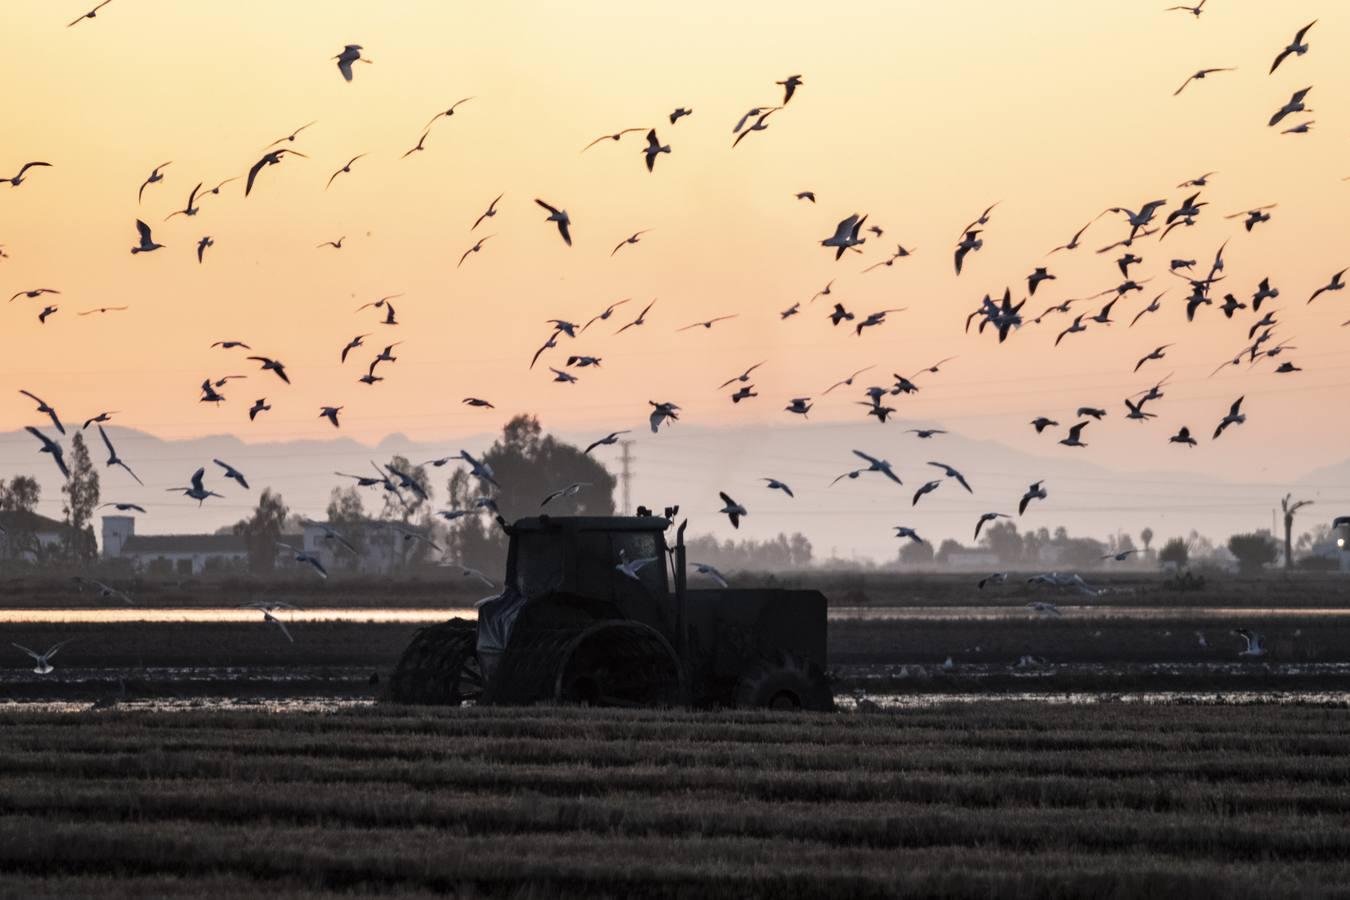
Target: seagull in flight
(570, 491)
(679, 113)
(761, 124)
(606, 441)
(1337, 283)
(45, 409)
(419, 146)
(1254, 216)
(271, 365)
(744, 376)
(488, 213)
(640, 320)
(968, 244)
(147, 241)
(1183, 436)
(37, 292)
(662, 412)
(1037, 491)
(953, 473)
(848, 382)
(43, 660)
(1256, 643)
(927, 488)
(629, 568)
(733, 510)
(609, 311)
(197, 491)
(52, 447)
(350, 54)
(448, 112)
(156, 175)
(1200, 75)
(474, 401)
(204, 243)
(114, 459)
(346, 168)
(1297, 47)
(290, 138)
(878, 465)
(988, 517)
(1295, 105)
(1235, 417)
(331, 414)
(336, 245)
(774, 484)
(259, 405)
(474, 249)
(789, 85)
(270, 158)
(1074, 438)
(559, 216)
(232, 473)
(654, 149)
(710, 572)
(631, 239)
(1193, 10)
(93, 13)
(845, 235)
(123, 507)
(708, 323)
(19, 179)
(1156, 354)
(609, 137)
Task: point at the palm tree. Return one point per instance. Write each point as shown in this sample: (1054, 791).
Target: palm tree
(1290, 506)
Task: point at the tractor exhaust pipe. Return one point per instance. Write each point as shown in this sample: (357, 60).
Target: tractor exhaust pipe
(681, 588)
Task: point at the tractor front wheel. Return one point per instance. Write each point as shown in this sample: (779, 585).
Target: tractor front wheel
(440, 666)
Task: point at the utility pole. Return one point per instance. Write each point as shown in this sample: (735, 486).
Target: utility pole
(626, 476)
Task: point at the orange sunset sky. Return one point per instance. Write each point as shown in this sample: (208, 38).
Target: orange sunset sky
(919, 114)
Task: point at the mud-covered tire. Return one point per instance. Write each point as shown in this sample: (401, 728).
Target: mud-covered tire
(439, 666)
(784, 682)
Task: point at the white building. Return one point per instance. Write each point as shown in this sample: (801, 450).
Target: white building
(180, 554)
(27, 535)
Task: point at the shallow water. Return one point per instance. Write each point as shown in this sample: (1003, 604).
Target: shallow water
(845, 613)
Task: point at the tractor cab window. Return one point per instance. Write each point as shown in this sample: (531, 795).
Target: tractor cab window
(540, 564)
(641, 545)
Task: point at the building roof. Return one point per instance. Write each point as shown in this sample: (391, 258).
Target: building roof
(22, 520)
(222, 544)
(591, 523)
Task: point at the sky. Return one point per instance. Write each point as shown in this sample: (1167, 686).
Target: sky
(919, 115)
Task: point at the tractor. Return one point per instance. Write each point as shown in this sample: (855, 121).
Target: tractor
(587, 616)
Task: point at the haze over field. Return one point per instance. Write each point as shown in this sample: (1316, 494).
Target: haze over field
(919, 115)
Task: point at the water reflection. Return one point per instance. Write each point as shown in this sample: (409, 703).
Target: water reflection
(838, 613)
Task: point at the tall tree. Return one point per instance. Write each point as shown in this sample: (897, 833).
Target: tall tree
(1146, 536)
(347, 516)
(81, 493)
(1253, 551)
(529, 465)
(408, 506)
(262, 530)
(1290, 507)
(20, 495)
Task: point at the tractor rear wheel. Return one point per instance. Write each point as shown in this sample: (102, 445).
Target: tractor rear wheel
(440, 666)
(784, 681)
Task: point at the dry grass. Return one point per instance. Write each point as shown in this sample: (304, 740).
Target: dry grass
(981, 800)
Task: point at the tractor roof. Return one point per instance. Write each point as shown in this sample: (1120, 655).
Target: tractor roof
(591, 523)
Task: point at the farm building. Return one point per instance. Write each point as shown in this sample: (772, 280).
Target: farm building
(379, 548)
(181, 554)
(27, 535)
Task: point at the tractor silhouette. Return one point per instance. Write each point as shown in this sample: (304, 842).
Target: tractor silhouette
(572, 625)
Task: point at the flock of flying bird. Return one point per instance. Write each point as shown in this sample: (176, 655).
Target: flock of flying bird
(1000, 316)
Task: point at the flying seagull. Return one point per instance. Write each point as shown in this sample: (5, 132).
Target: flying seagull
(1296, 47)
(114, 459)
(290, 138)
(733, 510)
(474, 249)
(44, 666)
(1337, 283)
(1200, 76)
(607, 440)
(654, 149)
(789, 85)
(232, 473)
(147, 242)
(331, 414)
(52, 447)
(271, 365)
(560, 216)
(1037, 491)
(270, 158)
(610, 137)
(346, 168)
(1295, 105)
(350, 54)
(774, 484)
(1235, 417)
(631, 239)
(197, 491)
(570, 491)
(191, 209)
(205, 242)
(156, 175)
(448, 112)
(45, 409)
(19, 179)
(488, 213)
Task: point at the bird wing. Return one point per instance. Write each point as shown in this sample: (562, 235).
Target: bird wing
(552, 210)
(253, 173)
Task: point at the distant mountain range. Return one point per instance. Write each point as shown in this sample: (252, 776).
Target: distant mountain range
(688, 466)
